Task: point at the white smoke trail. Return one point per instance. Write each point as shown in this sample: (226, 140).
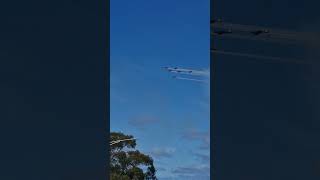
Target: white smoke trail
(190, 79)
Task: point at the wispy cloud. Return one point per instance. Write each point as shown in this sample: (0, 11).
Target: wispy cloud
(163, 152)
(205, 100)
(193, 172)
(207, 88)
(205, 158)
(195, 177)
(195, 135)
(207, 72)
(205, 145)
(161, 169)
(143, 121)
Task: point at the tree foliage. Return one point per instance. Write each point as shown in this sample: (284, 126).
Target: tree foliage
(126, 163)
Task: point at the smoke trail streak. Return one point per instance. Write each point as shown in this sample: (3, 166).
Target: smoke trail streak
(275, 59)
(189, 79)
(192, 74)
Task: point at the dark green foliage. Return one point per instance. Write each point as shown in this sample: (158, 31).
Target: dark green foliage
(126, 163)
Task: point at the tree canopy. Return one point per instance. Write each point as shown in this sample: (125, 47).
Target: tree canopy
(127, 163)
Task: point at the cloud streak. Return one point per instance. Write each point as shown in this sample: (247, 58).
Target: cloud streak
(202, 157)
(142, 122)
(163, 152)
(195, 135)
(193, 172)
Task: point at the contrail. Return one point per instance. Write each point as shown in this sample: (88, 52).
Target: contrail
(193, 73)
(189, 79)
(188, 71)
(276, 59)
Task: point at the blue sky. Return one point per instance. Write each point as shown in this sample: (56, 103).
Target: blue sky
(169, 117)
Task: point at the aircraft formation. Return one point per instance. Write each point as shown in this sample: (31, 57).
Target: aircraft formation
(222, 29)
(188, 74)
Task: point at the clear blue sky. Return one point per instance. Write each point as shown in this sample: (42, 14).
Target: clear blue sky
(169, 117)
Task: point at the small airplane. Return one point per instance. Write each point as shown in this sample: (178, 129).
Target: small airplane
(175, 69)
(189, 72)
